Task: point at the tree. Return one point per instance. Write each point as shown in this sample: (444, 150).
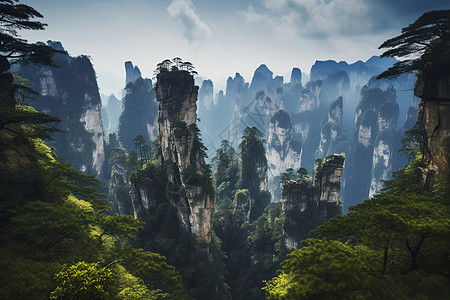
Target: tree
(253, 169)
(393, 246)
(16, 17)
(226, 171)
(323, 270)
(140, 142)
(413, 141)
(84, 281)
(302, 173)
(177, 62)
(425, 44)
(287, 175)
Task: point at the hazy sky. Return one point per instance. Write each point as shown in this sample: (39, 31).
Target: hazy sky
(222, 37)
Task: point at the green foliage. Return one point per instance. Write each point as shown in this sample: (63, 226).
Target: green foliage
(18, 17)
(323, 270)
(174, 65)
(427, 40)
(33, 123)
(253, 161)
(253, 250)
(56, 242)
(226, 171)
(23, 89)
(202, 273)
(302, 173)
(83, 281)
(327, 269)
(388, 247)
(287, 175)
(413, 141)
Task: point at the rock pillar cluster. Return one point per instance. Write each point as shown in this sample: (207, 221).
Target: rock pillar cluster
(190, 189)
(309, 203)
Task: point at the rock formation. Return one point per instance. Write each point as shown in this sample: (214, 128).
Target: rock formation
(182, 152)
(307, 204)
(119, 188)
(333, 136)
(139, 113)
(435, 116)
(110, 114)
(283, 151)
(369, 159)
(131, 73)
(206, 94)
(70, 92)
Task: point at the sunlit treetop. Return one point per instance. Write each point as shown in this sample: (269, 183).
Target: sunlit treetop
(424, 45)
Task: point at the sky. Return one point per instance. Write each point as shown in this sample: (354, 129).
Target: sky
(221, 37)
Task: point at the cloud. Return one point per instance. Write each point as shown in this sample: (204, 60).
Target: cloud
(313, 18)
(319, 19)
(184, 11)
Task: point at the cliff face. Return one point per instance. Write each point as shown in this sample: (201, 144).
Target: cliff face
(434, 114)
(322, 124)
(138, 113)
(70, 93)
(131, 72)
(182, 152)
(283, 151)
(307, 204)
(333, 136)
(111, 111)
(373, 144)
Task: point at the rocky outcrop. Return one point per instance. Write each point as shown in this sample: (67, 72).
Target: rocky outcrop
(261, 78)
(434, 114)
(182, 152)
(373, 145)
(206, 94)
(309, 203)
(138, 114)
(111, 111)
(333, 136)
(283, 151)
(296, 78)
(131, 72)
(119, 188)
(70, 92)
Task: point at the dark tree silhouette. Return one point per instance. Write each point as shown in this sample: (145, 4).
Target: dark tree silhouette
(425, 44)
(175, 65)
(14, 17)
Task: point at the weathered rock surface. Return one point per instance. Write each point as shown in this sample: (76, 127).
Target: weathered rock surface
(283, 151)
(434, 113)
(182, 154)
(307, 204)
(373, 145)
(70, 93)
(333, 136)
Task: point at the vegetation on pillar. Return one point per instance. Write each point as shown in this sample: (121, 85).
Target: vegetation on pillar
(175, 64)
(226, 171)
(397, 240)
(60, 243)
(252, 156)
